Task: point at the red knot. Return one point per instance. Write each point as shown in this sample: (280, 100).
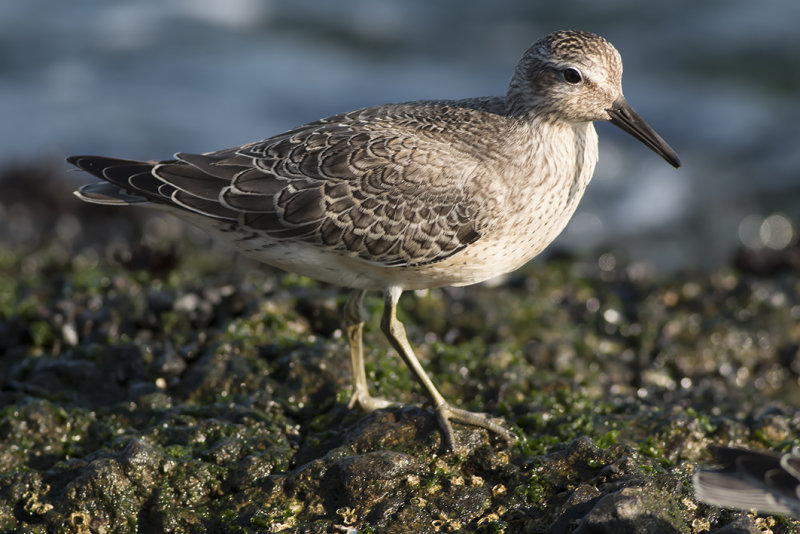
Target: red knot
(750, 480)
(404, 196)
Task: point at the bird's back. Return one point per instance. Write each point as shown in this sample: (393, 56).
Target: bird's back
(414, 186)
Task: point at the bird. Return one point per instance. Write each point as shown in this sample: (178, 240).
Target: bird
(750, 480)
(404, 196)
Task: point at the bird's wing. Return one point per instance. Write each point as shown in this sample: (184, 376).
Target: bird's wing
(751, 480)
(378, 183)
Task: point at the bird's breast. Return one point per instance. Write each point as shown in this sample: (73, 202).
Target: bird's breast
(532, 204)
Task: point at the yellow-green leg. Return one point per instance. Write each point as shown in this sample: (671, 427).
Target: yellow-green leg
(354, 324)
(445, 413)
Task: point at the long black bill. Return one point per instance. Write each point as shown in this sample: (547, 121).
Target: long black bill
(624, 116)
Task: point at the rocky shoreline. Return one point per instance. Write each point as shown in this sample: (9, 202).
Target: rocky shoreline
(153, 382)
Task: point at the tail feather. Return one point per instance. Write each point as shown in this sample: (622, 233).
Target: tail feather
(191, 180)
(141, 182)
(107, 194)
(130, 177)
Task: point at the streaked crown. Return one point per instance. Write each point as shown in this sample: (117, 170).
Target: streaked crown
(569, 74)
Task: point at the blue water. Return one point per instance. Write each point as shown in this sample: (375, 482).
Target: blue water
(720, 80)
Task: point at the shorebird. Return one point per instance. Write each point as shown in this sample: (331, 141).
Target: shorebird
(413, 195)
(750, 480)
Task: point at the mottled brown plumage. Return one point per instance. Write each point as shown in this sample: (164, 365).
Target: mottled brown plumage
(405, 196)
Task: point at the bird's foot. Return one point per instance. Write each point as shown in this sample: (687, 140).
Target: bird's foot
(446, 413)
(366, 402)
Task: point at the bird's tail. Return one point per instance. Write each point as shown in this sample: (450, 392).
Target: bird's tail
(126, 181)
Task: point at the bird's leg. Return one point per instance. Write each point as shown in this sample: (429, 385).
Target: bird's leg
(354, 324)
(396, 333)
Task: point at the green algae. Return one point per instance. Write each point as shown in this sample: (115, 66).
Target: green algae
(201, 397)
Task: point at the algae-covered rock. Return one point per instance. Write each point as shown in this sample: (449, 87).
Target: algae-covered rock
(150, 382)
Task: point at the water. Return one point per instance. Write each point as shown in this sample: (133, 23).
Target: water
(719, 80)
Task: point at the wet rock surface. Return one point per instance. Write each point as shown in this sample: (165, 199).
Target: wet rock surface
(153, 382)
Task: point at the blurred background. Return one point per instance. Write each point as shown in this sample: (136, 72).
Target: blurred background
(719, 80)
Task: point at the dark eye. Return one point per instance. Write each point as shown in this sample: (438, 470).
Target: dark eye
(572, 75)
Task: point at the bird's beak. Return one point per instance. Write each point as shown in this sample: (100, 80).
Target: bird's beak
(624, 116)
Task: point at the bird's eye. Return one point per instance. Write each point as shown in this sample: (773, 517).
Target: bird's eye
(572, 75)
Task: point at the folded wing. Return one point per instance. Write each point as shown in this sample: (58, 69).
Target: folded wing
(341, 183)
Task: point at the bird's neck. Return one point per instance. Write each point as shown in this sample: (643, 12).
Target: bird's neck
(554, 165)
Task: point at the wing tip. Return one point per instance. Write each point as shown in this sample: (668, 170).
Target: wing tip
(107, 194)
